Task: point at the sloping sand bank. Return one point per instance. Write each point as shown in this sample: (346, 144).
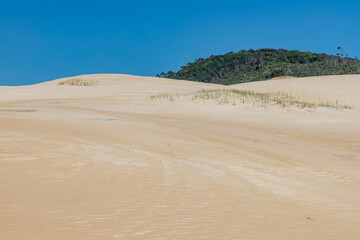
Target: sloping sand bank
(343, 88)
(111, 162)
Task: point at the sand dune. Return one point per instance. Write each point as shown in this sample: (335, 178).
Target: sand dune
(110, 162)
(344, 88)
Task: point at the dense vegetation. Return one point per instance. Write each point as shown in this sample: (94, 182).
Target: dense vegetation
(262, 64)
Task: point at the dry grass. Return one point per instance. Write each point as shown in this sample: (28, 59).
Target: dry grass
(235, 97)
(78, 82)
(167, 96)
(282, 77)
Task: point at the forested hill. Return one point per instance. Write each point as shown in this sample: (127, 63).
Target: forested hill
(262, 64)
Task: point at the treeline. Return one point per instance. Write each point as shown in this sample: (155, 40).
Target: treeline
(256, 65)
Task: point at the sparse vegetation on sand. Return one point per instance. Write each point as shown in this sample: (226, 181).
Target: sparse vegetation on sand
(167, 96)
(78, 82)
(282, 77)
(235, 97)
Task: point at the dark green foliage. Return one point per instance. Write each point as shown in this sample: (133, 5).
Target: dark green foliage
(262, 64)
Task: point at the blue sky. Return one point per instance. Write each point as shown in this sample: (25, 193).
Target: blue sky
(45, 40)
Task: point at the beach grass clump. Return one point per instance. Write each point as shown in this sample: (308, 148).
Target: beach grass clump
(235, 97)
(168, 96)
(78, 82)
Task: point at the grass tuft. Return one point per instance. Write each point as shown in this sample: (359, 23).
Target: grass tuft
(234, 97)
(78, 82)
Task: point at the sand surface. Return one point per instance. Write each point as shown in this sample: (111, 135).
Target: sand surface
(343, 88)
(107, 162)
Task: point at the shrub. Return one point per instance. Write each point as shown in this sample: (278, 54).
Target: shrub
(78, 82)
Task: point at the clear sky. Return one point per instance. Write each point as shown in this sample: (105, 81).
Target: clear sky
(45, 40)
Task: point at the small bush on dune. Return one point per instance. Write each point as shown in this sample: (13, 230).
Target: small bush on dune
(78, 82)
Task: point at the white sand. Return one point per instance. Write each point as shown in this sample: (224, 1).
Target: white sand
(106, 162)
(344, 88)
